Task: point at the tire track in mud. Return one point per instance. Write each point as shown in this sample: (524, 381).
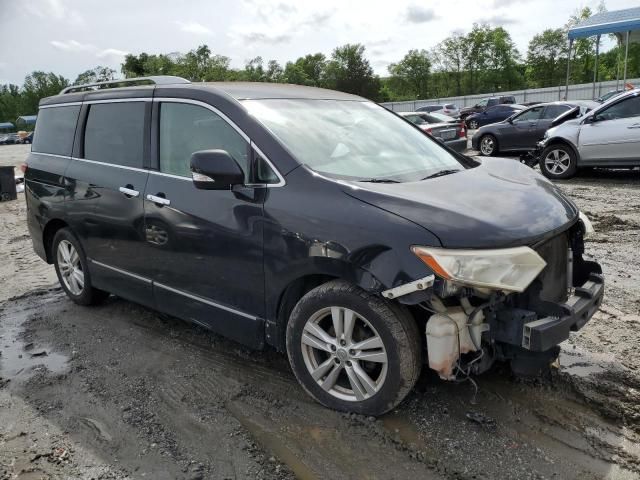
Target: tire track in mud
(169, 394)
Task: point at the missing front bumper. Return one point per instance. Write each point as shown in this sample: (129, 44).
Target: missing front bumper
(542, 334)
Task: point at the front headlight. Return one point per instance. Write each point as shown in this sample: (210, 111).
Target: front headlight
(588, 226)
(509, 269)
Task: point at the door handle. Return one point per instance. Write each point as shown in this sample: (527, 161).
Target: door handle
(129, 191)
(161, 201)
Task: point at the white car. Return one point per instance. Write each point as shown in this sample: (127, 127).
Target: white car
(608, 136)
(448, 109)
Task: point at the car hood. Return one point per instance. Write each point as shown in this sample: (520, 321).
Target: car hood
(500, 203)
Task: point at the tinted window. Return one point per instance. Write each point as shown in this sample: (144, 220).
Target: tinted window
(185, 129)
(531, 114)
(629, 107)
(492, 101)
(554, 111)
(55, 129)
(115, 133)
(416, 119)
(450, 106)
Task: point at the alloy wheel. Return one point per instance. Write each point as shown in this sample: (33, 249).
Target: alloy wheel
(557, 161)
(473, 124)
(487, 146)
(344, 354)
(70, 267)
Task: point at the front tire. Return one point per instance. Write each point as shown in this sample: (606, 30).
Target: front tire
(71, 267)
(473, 125)
(488, 145)
(558, 162)
(353, 351)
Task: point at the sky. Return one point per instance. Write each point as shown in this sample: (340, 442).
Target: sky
(71, 36)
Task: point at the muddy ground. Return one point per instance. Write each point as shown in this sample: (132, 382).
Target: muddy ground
(121, 392)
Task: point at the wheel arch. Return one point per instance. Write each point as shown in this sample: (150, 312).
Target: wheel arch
(565, 142)
(49, 232)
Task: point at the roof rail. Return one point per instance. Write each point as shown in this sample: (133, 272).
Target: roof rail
(153, 80)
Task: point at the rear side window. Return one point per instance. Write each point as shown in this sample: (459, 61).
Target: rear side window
(185, 129)
(115, 133)
(450, 106)
(554, 111)
(55, 129)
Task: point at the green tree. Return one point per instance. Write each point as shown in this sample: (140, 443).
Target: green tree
(96, 74)
(39, 85)
(413, 71)
(547, 58)
(349, 71)
(450, 57)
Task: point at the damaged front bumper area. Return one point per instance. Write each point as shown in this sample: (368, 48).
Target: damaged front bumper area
(541, 335)
(472, 327)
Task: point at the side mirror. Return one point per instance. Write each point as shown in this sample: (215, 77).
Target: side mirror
(215, 170)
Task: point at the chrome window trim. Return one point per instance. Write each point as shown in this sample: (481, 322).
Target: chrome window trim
(118, 100)
(68, 104)
(119, 270)
(170, 175)
(281, 180)
(205, 300)
(66, 157)
(125, 167)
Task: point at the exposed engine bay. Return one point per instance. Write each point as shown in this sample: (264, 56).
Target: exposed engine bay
(469, 328)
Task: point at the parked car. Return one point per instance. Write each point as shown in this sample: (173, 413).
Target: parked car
(9, 139)
(608, 95)
(493, 114)
(486, 103)
(608, 136)
(357, 246)
(449, 109)
(27, 138)
(451, 132)
(522, 131)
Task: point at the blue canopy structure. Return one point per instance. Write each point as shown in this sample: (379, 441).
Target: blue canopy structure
(624, 24)
(6, 126)
(27, 119)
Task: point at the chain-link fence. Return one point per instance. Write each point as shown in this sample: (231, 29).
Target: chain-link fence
(582, 91)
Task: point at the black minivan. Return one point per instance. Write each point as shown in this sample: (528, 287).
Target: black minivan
(312, 221)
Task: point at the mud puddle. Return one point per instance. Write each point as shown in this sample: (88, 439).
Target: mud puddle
(21, 358)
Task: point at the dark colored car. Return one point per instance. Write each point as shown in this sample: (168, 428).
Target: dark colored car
(486, 103)
(451, 132)
(493, 114)
(521, 132)
(359, 246)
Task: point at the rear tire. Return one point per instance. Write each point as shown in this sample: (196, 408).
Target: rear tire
(72, 269)
(558, 162)
(473, 125)
(333, 368)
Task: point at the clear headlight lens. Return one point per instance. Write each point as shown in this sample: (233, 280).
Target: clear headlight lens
(509, 269)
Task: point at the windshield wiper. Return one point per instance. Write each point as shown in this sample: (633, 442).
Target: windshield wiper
(379, 180)
(441, 173)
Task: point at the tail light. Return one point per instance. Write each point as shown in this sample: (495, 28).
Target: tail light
(462, 132)
(24, 167)
(428, 130)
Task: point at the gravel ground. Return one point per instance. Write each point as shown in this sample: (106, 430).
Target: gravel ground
(120, 391)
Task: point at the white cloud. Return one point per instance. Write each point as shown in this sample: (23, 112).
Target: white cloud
(500, 20)
(418, 14)
(73, 46)
(56, 10)
(193, 27)
(111, 52)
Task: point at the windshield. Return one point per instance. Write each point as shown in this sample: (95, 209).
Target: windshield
(354, 140)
